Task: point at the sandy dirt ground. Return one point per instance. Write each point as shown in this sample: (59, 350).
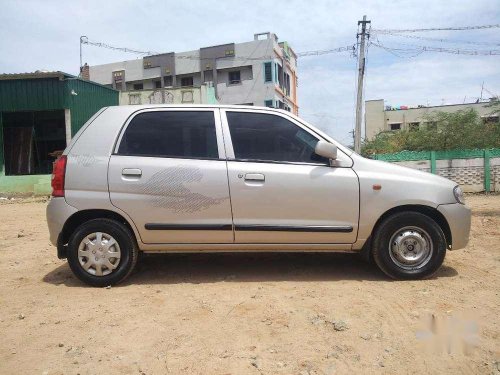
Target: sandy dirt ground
(247, 314)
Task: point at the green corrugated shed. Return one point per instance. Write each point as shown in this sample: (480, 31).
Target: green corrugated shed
(91, 97)
(45, 91)
(49, 91)
(31, 95)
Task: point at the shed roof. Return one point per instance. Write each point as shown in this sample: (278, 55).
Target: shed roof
(35, 75)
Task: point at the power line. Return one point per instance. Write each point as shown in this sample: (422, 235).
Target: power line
(85, 40)
(461, 28)
(442, 40)
(326, 51)
(456, 51)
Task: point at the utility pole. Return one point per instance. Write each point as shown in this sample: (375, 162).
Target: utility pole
(83, 38)
(361, 74)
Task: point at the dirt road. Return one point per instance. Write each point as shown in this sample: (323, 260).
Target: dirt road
(247, 314)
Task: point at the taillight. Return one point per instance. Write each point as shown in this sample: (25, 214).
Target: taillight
(58, 173)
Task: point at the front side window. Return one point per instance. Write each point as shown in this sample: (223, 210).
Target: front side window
(181, 134)
(266, 137)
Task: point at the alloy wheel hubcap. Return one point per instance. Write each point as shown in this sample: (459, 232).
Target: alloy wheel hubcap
(410, 248)
(99, 254)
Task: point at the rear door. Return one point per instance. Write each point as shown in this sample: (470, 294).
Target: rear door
(281, 191)
(168, 173)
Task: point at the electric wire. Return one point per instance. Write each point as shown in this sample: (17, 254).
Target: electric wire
(197, 57)
(460, 28)
(443, 40)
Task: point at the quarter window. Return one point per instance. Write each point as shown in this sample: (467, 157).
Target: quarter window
(181, 134)
(264, 137)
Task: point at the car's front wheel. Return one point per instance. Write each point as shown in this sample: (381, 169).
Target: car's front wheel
(102, 252)
(409, 245)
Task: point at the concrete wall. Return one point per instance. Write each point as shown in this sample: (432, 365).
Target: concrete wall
(195, 95)
(468, 173)
(377, 119)
(134, 71)
(374, 117)
(35, 184)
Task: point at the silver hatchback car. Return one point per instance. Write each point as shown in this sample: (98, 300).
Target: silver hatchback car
(234, 178)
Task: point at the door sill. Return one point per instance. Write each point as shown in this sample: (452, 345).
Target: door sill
(251, 247)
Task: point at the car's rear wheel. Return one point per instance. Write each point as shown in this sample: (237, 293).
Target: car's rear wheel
(102, 252)
(409, 245)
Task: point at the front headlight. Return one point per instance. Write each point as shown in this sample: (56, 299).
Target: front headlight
(459, 195)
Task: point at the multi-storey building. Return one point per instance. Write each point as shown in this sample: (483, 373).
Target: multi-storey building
(262, 72)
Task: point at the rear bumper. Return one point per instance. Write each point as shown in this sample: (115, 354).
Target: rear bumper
(58, 212)
(458, 217)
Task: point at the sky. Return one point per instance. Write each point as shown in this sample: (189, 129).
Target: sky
(45, 35)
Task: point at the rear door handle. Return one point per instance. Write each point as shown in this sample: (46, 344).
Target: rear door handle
(131, 172)
(255, 177)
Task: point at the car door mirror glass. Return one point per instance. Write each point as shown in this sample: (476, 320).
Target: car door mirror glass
(325, 149)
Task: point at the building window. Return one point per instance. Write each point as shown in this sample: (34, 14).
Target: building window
(268, 103)
(168, 81)
(175, 134)
(268, 72)
(396, 126)
(279, 78)
(187, 81)
(138, 86)
(234, 77)
(266, 137)
(157, 84)
(32, 141)
(287, 84)
(413, 126)
(208, 76)
(118, 80)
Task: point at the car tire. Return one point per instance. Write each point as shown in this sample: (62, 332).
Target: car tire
(102, 252)
(409, 246)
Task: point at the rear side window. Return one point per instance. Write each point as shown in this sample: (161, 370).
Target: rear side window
(181, 134)
(265, 137)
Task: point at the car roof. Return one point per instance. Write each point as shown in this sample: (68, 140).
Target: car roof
(135, 107)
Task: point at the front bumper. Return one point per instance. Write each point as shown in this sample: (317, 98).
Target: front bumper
(458, 217)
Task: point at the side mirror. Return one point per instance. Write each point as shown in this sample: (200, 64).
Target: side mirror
(327, 150)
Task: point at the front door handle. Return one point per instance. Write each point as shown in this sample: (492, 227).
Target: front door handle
(131, 172)
(255, 177)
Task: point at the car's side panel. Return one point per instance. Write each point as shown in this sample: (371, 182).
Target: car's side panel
(399, 186)
(293, 203)
(174, 200)
(86, 183)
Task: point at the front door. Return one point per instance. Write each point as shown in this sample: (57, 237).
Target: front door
(281, 191)
(169, 175)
